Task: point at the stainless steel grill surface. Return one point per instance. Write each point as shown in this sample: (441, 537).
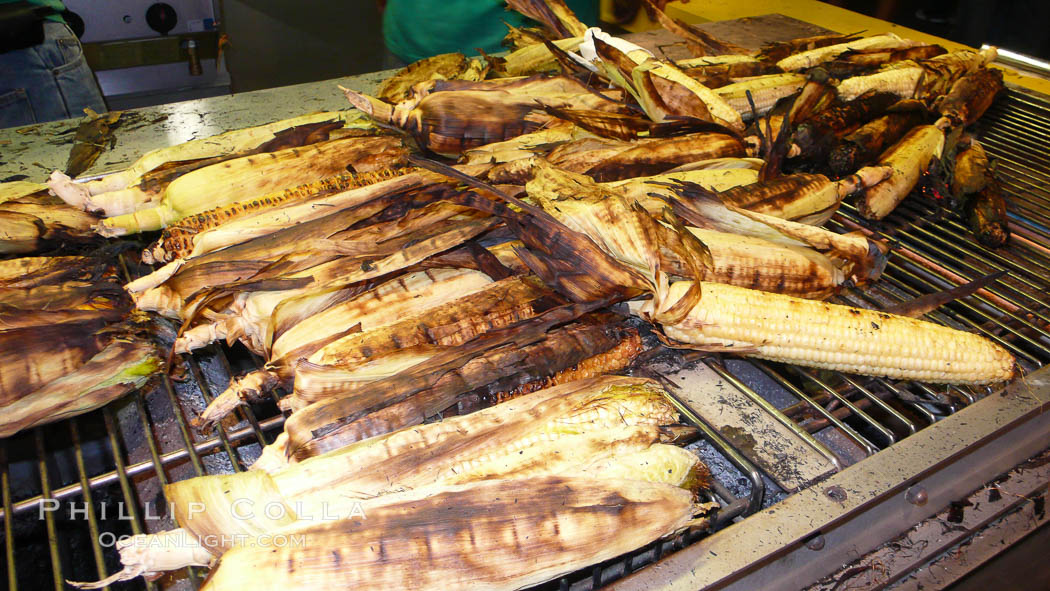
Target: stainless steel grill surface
(71, 488)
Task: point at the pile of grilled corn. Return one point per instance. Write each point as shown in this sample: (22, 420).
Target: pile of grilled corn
(382, 289)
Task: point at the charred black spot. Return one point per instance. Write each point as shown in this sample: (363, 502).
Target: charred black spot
(875, 326)
(854, 311)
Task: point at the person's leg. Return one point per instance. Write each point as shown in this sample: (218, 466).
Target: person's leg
(75, 81)
(47, 82)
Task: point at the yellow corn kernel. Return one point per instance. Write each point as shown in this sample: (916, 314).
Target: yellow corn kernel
(829, 336)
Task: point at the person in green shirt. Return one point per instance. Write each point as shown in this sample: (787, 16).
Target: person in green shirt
(415, 29)
(43, 73)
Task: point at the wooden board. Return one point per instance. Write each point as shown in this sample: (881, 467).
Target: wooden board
(751, 32)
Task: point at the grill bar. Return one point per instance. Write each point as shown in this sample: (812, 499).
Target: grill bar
(49, 518)
(96, 547)
(9, 536)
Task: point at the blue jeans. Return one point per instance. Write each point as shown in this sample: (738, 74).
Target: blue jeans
(48, 81)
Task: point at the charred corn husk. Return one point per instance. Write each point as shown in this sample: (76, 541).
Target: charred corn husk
(765, 91)
(608, 362)
(251, 176)
(66, 346)
(238, 141)
(774, 52)
(308, 333)
(970, 97)
(944, 70)
(985, 211)
(854, 63)
(665, 91)
(815, 57)
(531, 59)
(447, 66)
(909, 158)
(575, 530)
(829, 336)
(450, 449)
(577, 524)
(179, 240)
(27, 272)
(525, 145)
(864, 145)
(437, 380)
(371, 355)
(123, 365)
(807, 198)
(814, 137)
(557, 17)
(726, 66)
(975, 188)
(453, 121)
(652, 189)
(970, 169)
(603, 429)
(624, 160)
(27, 227)
(925, 79)
(760, 264)
(469, 315)
(12, 190)
(435, 452)
(738, 260)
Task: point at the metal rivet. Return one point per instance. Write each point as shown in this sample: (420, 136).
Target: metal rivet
(836, 493)
(917, 495)
(816, 543)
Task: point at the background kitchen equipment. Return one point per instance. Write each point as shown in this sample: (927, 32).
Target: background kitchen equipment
(141, 51)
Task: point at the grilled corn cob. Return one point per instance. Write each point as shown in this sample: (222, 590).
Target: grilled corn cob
(665, 91)
(970, 97)
(532, 59)
(452, 121)
(652, 194)
(244, 178)
(815, 57)
(603, 429)
(855, 63)
(776, 51)
(864, 145)
(435, 452)
(807, 198)
(765, 91)
(910, 157)
(178, 240)
(574, 531)
(376, 310)
(231, 142)
(611, 361)
(970, 169)
(829, 336)
(434, 384)
(901, 80)
(659, 155)
(446, 66)
(815, 136)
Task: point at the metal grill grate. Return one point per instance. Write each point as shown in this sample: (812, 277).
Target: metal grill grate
(114, 462)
